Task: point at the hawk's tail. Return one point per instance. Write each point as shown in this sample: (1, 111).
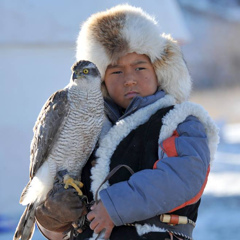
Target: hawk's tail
(26, 225)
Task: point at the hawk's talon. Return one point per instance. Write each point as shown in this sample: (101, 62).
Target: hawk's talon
(68, 181)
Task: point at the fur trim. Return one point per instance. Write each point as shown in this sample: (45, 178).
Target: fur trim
(180, 113)
(146, 228)
(123, 29)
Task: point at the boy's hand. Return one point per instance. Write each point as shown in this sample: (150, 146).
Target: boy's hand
(100, 220)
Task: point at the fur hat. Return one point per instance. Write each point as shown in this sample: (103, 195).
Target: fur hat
(123, 29)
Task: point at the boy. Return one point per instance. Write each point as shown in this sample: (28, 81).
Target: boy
(167, 141)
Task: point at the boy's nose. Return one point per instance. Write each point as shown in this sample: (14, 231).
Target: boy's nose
(129, 81)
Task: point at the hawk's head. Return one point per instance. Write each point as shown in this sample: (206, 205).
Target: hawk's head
(85, 71)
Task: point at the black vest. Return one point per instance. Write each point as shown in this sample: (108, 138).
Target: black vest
(139, 150)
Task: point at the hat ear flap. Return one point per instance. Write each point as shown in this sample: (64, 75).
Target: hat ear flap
(172, 72)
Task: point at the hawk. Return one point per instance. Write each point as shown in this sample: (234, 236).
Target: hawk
(65, 135)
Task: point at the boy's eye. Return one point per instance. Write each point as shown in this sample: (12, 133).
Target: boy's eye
(116, 72)
(139, 68)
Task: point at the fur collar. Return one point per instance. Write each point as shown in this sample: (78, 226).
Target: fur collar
(180, 113)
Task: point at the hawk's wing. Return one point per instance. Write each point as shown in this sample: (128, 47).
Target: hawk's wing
(47, 127)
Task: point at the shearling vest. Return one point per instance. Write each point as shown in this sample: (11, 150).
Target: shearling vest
(145, 132)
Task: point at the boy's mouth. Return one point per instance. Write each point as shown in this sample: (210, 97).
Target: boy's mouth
(131, 94)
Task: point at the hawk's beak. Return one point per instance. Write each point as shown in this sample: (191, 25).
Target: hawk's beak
(74, 76)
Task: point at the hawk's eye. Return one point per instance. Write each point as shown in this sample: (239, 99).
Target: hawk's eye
(85, 71)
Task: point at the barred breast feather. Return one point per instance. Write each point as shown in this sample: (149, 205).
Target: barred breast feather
(79, 133)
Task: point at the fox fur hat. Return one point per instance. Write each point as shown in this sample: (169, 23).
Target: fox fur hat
(123, 29)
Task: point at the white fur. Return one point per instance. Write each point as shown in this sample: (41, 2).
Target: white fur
(143, 36)
(89, 49)
(146, 228)
(173, 75)
(180, 113)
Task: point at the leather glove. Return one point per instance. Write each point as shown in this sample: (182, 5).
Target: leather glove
(61, 208)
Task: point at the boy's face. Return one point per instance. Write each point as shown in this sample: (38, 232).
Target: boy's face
(132, 76)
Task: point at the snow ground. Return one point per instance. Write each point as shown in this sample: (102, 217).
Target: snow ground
(220, 207)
